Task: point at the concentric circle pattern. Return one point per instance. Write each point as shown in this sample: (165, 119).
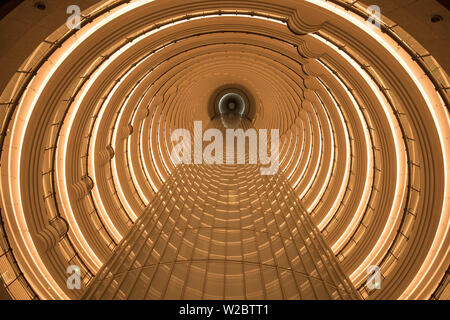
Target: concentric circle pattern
(86, 138)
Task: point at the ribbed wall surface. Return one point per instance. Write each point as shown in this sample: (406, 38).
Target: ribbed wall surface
(223, 232)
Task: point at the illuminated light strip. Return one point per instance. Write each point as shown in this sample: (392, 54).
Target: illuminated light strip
(64, 151)
(252, 16)
(64, 192)
(334, 208)
(168, 170)
(159, 138)
(400, 159)
(26, 106)
(316, 169)
(400, 185)
(301, 150)
(308, 156)
(152, 152)
(20, 220)
(115, 174)
(166, 144)
(140, 145)
(130, 162)
(357, 217)
(285, 148)
(296, 146)
(330, 166)
(30, 246)
(288, 155)
(441, 120)
(141, 158)
(155, 189)
(109, 225)
(121, 193)
(20, 123)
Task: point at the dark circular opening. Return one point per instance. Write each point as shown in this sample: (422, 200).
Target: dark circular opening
(232, 103)
(40, 5)
(436, 18)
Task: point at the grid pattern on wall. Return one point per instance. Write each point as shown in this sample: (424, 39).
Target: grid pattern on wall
(223, 232)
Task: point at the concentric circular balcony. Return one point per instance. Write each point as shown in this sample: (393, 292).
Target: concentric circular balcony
(87, 114)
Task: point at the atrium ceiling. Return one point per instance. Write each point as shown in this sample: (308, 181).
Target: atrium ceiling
(87, 114)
